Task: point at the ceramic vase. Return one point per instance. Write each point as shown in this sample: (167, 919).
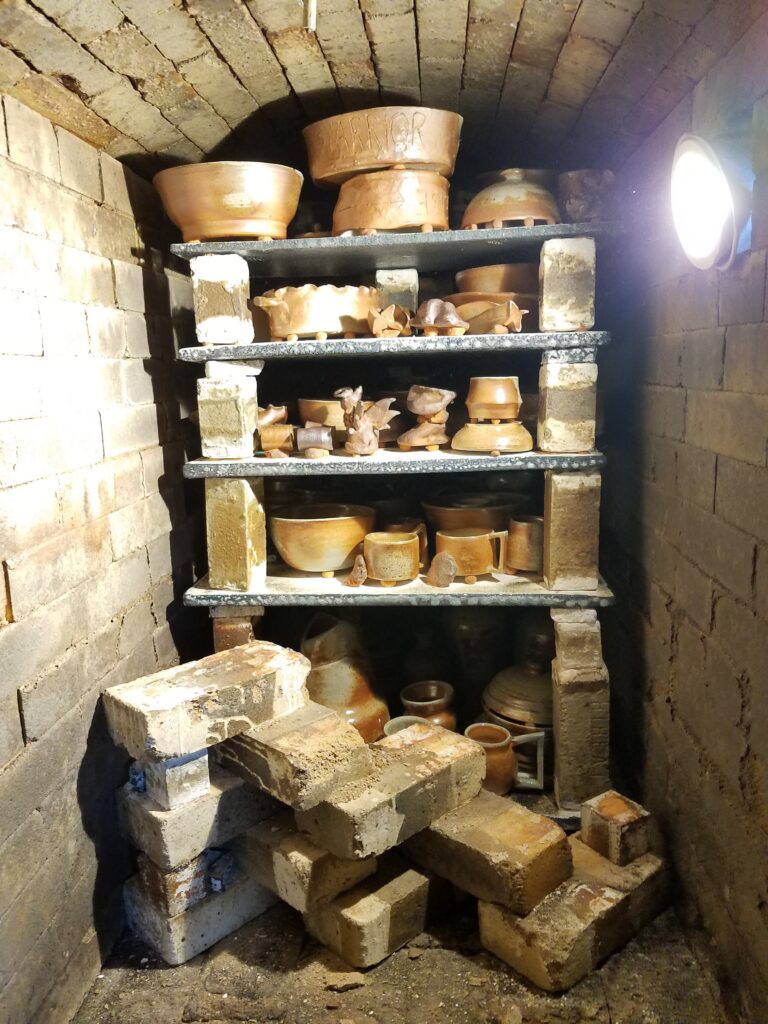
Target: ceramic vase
(431, 700)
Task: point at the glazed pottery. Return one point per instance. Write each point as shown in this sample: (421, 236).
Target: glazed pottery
(390, 322)
(340, 676)
(500, 760)
(525, 545)
(493, 398)
(317, 311)
(320, 538)
(470, 305)
(586, 195)
(410, 524)
(392, 557)
(429, 402)
(493, 437)
(500, 277)
(272, 414)
(432, 700)
(482, 510)
(497, 319)
(363, 424)
(316, 439)
(474, 550)
(230, 199)
(520, 699)
(514, 198)
(326, 412)
(277, 437)
(438, 316)
(343, 146)
(401, 722)
(393, 200)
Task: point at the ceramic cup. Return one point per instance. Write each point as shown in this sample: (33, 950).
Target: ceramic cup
(475, 551)
(430, 700)
(500, 759)
(277, 437)
(493, 398)
(392, 557)
(401, 722)
(314, 437)
(525, 545)
(410, 524)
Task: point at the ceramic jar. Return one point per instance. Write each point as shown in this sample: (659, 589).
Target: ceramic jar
(515, 196)
(431, 700)
(474, 550)
(410, 524)
(500, 759)
(340, 677)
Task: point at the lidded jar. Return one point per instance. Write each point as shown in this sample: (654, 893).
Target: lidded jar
(516, 195)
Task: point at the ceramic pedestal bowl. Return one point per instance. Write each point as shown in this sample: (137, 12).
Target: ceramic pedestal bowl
(393, 200)
(320, 538)
(230, 199)
(368, 140)
(483, 510)
(516, 197)
(492, 437)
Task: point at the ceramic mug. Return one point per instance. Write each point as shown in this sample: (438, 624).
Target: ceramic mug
(411, 524)
(392, 557)
(474, 550)
(525, 545)
(493, 398)
(500, 758)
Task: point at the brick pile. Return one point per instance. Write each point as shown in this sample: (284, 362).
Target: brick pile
(244, 791)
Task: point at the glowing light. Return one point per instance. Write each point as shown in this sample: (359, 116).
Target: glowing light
(702, 204)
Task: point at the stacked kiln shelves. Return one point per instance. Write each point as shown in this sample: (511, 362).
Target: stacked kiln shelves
(299, 808)
(239, 584)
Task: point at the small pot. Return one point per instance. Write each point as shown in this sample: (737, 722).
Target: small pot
(525, 545)
(500, 760)
(392, 557)
(320, 538)
(392, 201)
(401, 722)
(430, 700)
(230, 199)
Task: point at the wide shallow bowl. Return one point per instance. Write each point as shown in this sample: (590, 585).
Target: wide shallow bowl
(310, 310)
(487, 511)
(230, 199)
(394, 200)
(320, 538)
(492, 437)
(368, 140)
(500, 277)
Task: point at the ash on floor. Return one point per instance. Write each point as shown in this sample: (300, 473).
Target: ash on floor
(271, 970)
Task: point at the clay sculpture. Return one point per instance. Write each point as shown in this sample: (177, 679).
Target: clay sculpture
(498, 319)
(430, 405)
(363, 425)
(390, 322)
(436, 316)
(442, 570)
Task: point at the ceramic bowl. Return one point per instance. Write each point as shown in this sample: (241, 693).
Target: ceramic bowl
(500, 277)
(320, 538)
(230, 199)
(492, 437)
(392, 200)
(312, 310)
(484, 510)
(515, 197)
(368, 140)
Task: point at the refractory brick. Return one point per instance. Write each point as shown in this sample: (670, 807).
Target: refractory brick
(567, 407)
(567, 284)
(615, 827)
(417, 775)
(220, 291)
(174, 891)
(227, 412)
(300, 758)
(177, 780)
(236, 532)
(571, 530)
(580, 713)
(495, 849)
(187, 707)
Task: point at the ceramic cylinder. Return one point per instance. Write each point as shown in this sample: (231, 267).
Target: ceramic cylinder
(314, 437)
(392, 557)
(474, 550)
(277, 436)
(525, 545)
(392, 200)
(500, 760)
(430, 700)
(411, 524)
(493, 398)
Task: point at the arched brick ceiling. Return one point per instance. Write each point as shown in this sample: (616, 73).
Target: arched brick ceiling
(163, 81)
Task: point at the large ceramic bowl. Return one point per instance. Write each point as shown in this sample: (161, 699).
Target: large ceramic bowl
(393, 200)
(370, 140)
(319, 310)
(230, 199)
(483, 510)
(500, 277)
(320, 538)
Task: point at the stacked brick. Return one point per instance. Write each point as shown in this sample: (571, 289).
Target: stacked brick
(244, 792)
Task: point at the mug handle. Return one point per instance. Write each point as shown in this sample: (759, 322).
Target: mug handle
(501, 537)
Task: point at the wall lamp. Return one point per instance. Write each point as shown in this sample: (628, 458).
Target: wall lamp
(711, 193)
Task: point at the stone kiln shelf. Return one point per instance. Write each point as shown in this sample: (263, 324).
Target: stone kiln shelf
(574, 341)
(291, 587)
(389, 461)
(434, 251)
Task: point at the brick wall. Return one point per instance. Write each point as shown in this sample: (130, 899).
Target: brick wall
(95, 539)
(686, 530)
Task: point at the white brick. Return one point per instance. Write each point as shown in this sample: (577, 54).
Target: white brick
(221, 291)
(227, 414)
(21, 333)
(130, 286)
(106, 331)
(127, 429)
(64, 327)
(31, 139)
(567, 284)
(79, 165)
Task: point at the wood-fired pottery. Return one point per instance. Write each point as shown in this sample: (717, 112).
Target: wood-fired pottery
(401, 722)
(392, 200)
(317, 311)
(277, 437)
(230, 199)
(470, 304)
(368, 140)
(320, 538)
(525, 545)
(474, 550)
(340, 677)
(493, 398)
(484, 511)
(410, 524)
(520, 699)
(493, 437)
(500, 277)
(500, 759)
(514, 198)
(392, 557)
(430, 700)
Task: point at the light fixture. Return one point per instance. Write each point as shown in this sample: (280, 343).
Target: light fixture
(711, 192)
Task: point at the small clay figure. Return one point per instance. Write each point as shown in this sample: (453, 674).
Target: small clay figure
(498, 319)
(435, 316)
(358, 574)
(390, 322)
(442, 571)
(363, 425)
(424, 435)
(431, 408)
(272, 414)
(428, 402)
